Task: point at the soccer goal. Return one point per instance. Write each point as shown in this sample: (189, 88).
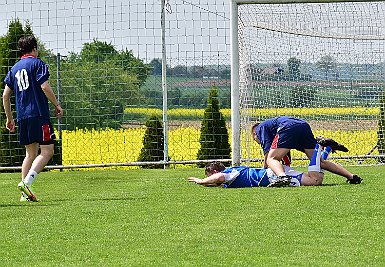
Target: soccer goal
(323, 61)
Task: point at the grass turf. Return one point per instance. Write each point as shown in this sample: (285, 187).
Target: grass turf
(156, 218)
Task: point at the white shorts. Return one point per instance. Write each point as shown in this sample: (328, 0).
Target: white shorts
(295, 175)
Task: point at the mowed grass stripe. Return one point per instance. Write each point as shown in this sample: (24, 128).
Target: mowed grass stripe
(155, 218)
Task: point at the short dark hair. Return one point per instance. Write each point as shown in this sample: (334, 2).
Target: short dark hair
(214, 166)
(26, 44)
(255, 126)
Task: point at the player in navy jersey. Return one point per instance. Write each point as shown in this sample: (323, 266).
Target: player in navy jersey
(242, 176)
(28, 81)
(279, 135)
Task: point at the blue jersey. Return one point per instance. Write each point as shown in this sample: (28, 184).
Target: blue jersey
(245, 177)
(25, 79)
(285, 132)
(237, 177)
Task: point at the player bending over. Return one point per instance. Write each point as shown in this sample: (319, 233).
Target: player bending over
(242, 176)
(278, 135)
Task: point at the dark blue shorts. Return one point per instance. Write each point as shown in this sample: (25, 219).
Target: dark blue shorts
(295, 136)
(36, 130)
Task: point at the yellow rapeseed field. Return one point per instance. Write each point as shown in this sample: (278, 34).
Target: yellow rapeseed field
(109, 146)
(124, 145)
(266, 112)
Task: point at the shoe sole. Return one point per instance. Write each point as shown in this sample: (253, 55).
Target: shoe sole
(24, 199)
(335, 146)
(354, 181)
(279, 183)
(28, 192)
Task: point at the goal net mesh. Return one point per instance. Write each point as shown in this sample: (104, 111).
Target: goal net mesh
(322, 62)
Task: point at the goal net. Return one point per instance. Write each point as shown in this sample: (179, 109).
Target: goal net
(322, 62)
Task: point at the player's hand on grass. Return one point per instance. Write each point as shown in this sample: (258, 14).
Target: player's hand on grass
(195, 180)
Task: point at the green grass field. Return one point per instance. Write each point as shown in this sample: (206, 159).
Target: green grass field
(156, 218)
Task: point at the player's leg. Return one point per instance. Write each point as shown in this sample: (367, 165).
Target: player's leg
(31, 152)
(26, 127)
(314, 176)
(43, 132)
(325, 153)
(336, 168)
(37, 166)
(340, 170)
(273, 160)
(331, 166)
(39, 134)
(288, 137)
(42, 159)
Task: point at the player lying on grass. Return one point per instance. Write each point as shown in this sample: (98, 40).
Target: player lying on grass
(235, 177)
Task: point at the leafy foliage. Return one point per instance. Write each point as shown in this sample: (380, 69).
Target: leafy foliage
(214, 138)
(327, 64)
(98, 84)
(153, 142)
(293, 65)
(156, 65)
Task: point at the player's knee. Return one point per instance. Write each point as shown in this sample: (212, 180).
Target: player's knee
(31, 155)
(47, 152)
(317, 180)
(273, 159)
(324, 164)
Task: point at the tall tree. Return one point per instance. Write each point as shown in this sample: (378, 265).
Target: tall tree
(326, 64)
(98, 51)
(134, 66)
(153, 144)
(214, 138)
(293, 65)
(179, 70)
(156, 65)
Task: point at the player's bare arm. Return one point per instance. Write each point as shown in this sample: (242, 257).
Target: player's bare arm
(10, 124)
(47, 89)
(213, 180)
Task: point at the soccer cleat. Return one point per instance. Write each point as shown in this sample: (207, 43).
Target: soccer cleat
(355, 180)
(26, 190)
(330, 142)
(281, 181)
(24, 197)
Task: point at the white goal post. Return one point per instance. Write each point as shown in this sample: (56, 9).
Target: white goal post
(347, 84)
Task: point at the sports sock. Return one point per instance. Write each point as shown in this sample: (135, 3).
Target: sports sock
(315, 161)
(31, 176)
(326, 152)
